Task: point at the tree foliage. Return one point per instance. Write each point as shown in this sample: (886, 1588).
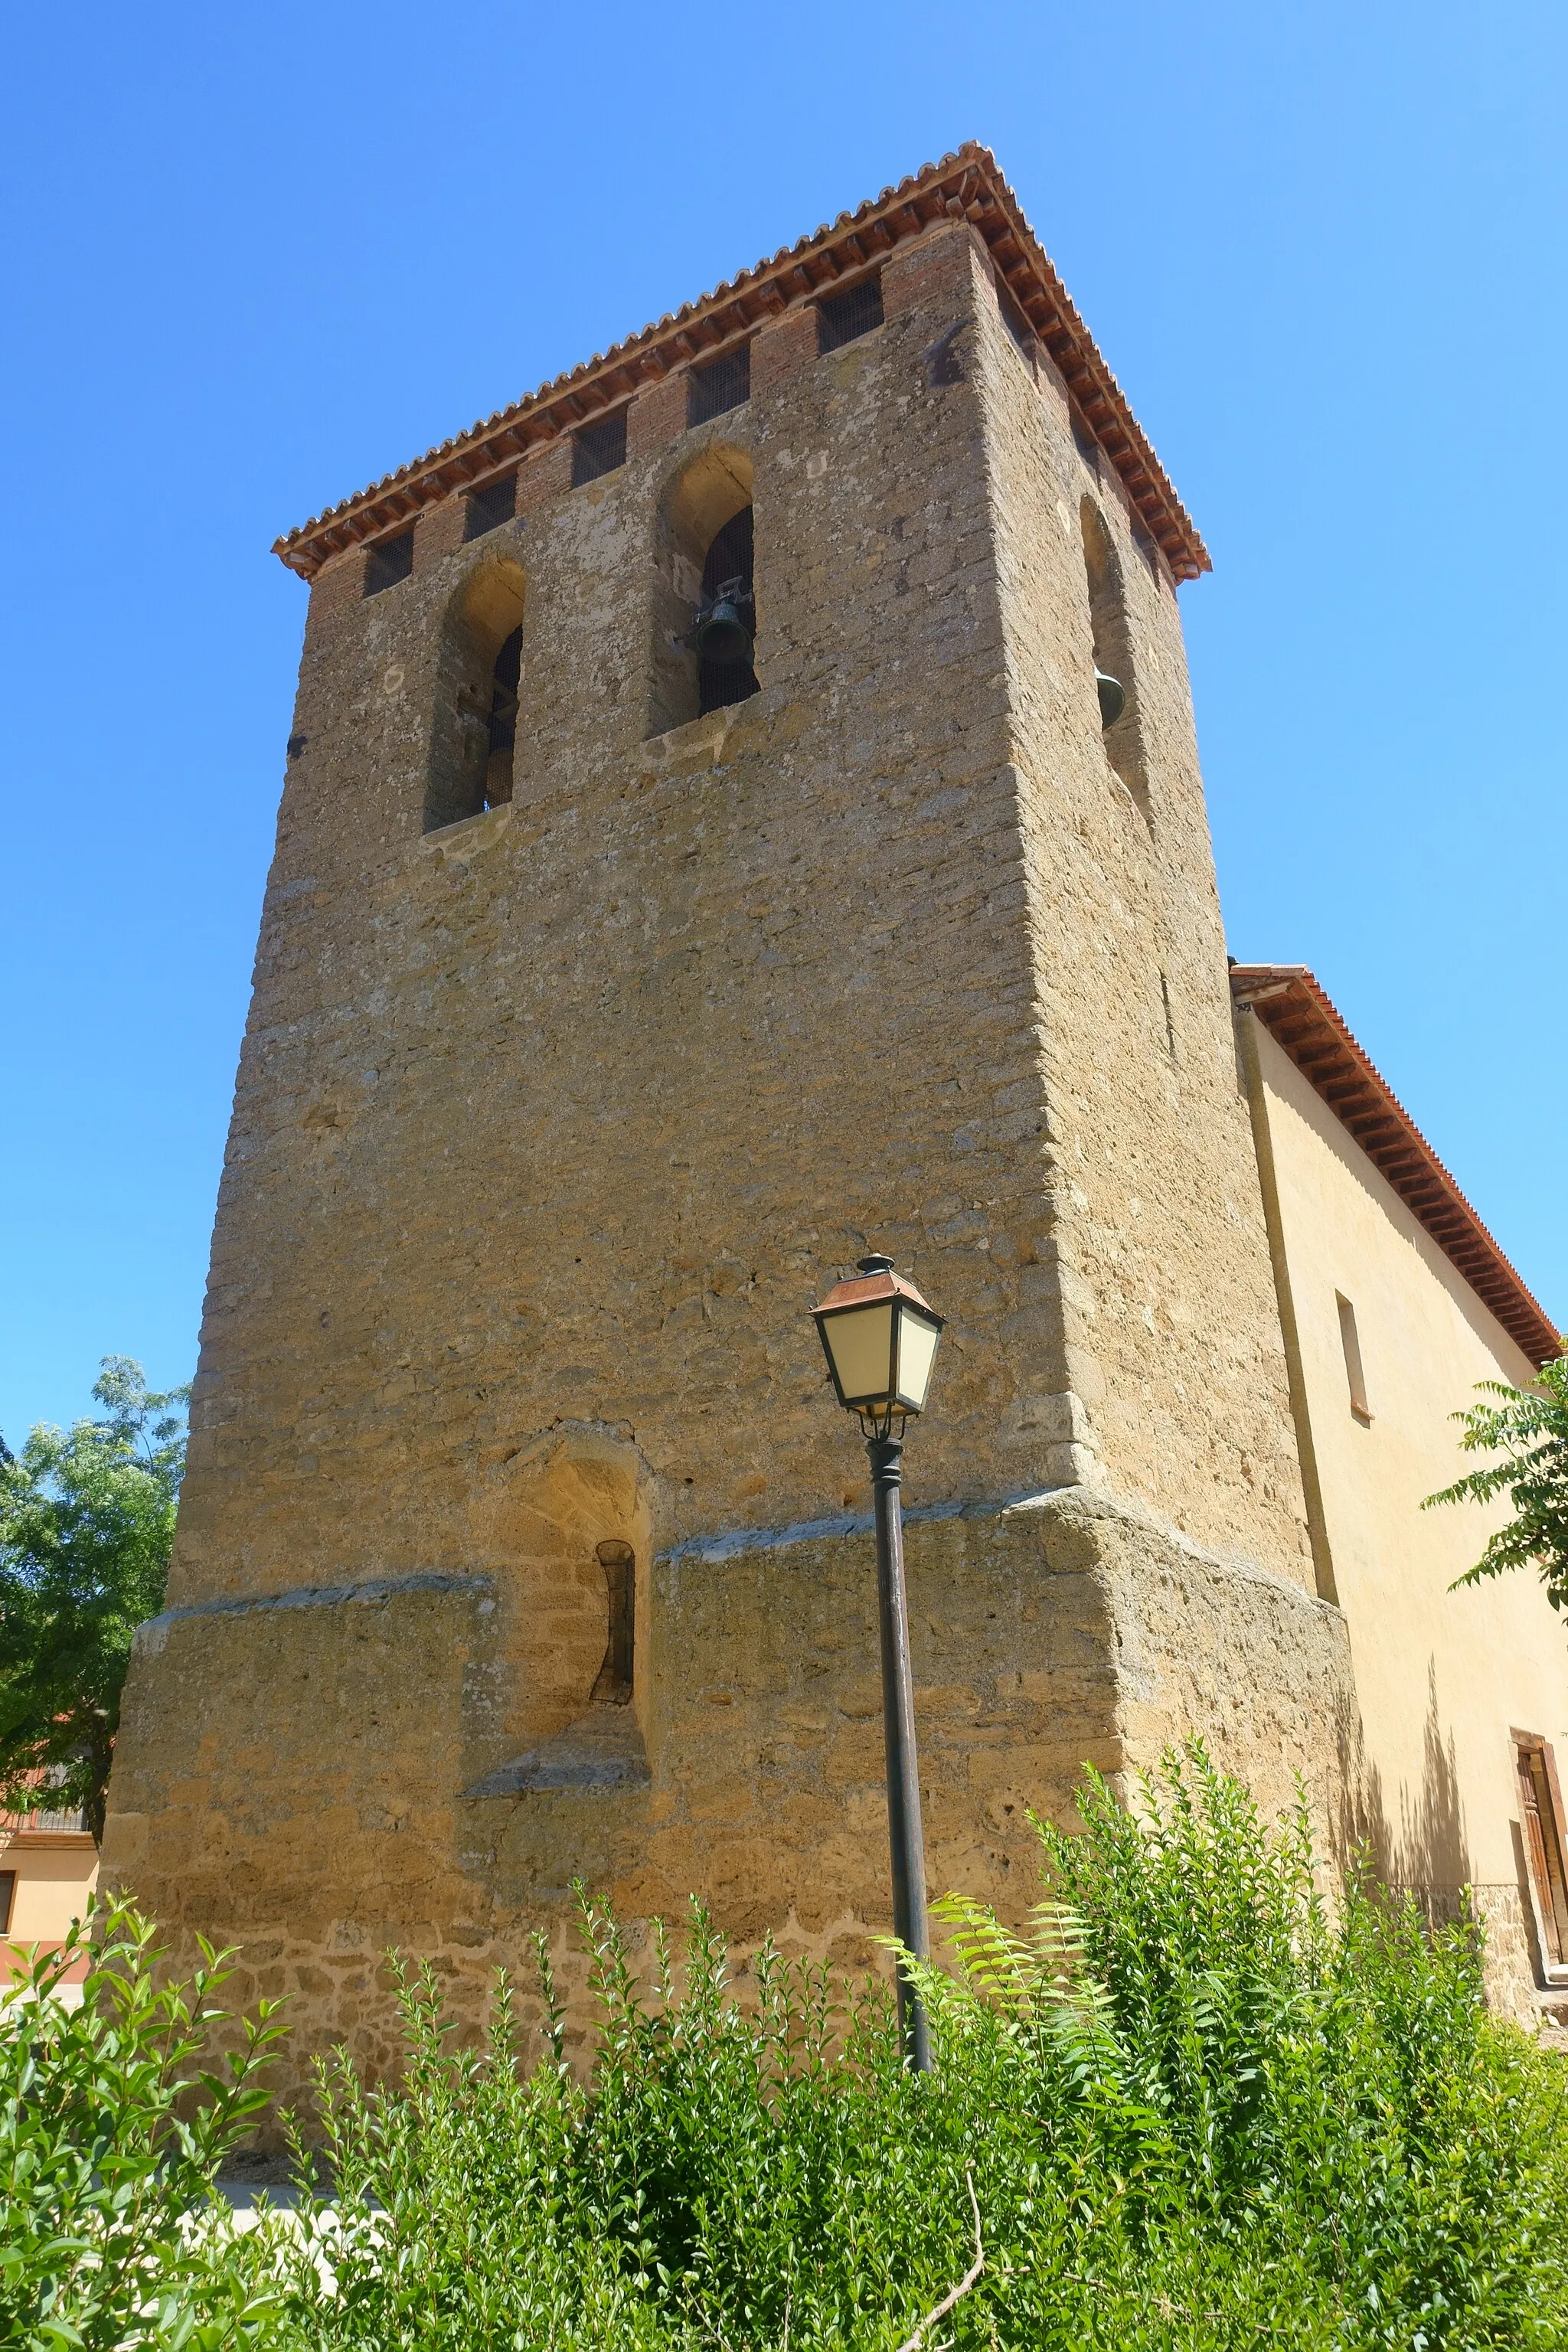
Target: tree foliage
(87, 1524)
(1529, 1429)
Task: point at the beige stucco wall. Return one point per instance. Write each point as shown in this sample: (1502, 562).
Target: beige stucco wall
(55, 1880)
(1440, 1675)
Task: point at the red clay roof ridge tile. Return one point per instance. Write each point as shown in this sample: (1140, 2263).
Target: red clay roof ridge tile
(966, 182)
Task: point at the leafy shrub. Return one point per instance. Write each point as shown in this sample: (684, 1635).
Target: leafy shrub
(108, 2237)
(1191, 2109)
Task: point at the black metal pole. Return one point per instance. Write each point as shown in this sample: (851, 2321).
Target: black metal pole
(904, 1834)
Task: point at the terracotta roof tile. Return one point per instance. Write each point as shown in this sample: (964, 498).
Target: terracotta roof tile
(1298, 1014)
(967, 183)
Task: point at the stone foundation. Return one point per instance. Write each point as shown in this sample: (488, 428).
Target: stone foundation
(312, 1809)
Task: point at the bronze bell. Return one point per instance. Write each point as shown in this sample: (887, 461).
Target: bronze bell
(722, 635)
(1112, 697)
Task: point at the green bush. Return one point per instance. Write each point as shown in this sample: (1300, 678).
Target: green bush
(110, 2139)
(1193, 2106)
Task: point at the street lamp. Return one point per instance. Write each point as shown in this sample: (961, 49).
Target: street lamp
(880, 1337)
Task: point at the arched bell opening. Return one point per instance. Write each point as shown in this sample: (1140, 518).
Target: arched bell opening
(1115, 677)
(724, 636)
(473, 742)
(704, 605)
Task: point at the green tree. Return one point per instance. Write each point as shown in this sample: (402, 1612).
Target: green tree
(1529, 1429)
(87, 1524)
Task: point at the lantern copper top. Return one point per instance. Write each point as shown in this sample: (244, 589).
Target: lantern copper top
(874, 1280)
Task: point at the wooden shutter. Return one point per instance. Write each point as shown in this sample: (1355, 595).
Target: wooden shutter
(1541, 1806)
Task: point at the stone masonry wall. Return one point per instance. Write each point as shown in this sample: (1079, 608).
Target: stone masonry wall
(1160, 1303)
(550, 1126)
(313, 1804)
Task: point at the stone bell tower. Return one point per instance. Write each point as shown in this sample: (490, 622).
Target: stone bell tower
(610, 1000)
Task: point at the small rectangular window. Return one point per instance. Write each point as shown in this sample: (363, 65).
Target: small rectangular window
(842, 317)
(8, 1895)
(388, 561)
(599, 448)
(1017, 325)
(490, 505)
(1541, 1803)
(720, 386)
(1350, 1340)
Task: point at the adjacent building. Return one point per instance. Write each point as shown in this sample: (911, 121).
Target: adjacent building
(1395, 1303)
(49, 1870)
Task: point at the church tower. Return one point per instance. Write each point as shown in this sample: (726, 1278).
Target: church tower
(612, 998)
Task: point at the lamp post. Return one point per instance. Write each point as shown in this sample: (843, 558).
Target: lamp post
(881, 1338)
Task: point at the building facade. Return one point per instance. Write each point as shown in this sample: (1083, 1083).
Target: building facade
(1396, 1303)
(48, 1872)
(610, 1000)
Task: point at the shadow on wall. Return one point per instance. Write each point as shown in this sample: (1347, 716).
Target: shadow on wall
(1425, 1854)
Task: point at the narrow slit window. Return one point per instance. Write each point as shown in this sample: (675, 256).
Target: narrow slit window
(614, 1685)
(842, 317)
(490, 505)
(720, 386)
(1170, 1020)
(388, 561)
(1350, 1340)
(1541, 1803)
(599, 448)
(7, 1896)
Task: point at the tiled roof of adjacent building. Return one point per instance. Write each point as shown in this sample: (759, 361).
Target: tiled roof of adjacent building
(1296, 1011)
(965, 185)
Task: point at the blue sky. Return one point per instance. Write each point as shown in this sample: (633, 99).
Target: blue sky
(256, 255)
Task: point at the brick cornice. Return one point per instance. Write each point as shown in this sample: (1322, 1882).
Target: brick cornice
(1299, 1015)
(965, 185)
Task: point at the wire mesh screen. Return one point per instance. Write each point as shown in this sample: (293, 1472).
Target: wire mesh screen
(842, 317)
(490, 505)
(388, 561)
(599, 448)
(722, 384)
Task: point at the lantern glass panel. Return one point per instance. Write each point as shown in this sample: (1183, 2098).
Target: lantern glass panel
(861, 1344)
(917, 1354)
